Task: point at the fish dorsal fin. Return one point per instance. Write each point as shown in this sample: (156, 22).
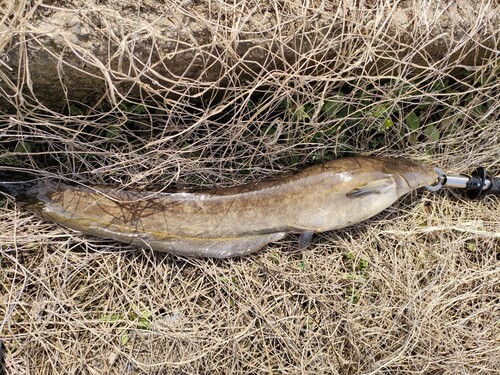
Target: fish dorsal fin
(377, 186)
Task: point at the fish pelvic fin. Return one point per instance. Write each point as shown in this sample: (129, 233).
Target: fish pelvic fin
(304, 239)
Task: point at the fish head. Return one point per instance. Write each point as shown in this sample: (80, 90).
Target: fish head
(409, 175)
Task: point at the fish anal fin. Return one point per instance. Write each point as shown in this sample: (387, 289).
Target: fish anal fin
(377, 186)
(212, 247)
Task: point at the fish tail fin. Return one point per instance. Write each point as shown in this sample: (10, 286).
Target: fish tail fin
(16, 183)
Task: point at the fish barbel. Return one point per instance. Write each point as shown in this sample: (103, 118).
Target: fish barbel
(228, 222)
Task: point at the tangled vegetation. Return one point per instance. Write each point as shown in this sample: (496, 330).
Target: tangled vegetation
(414, 290)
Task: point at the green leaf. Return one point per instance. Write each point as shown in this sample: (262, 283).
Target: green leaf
(412, 120)
(333, 106)
(143, 323)
(387, 124)
(379, 111)
(333, 129)
(75, 110)
(143, 318)
(268, 130)
(285, 104)
(140, 108)
(292, 160)
(357, 277)
(471, 247)
(376, 142)
(113, 132)
(111, 318)
(479, 110)
(403, 90)
(23, 147)
(362, 264)
(350, 255)
(437, 86)
(351, 295)
(432, 132)
(124, 337)
(301, 265)
(301, 113)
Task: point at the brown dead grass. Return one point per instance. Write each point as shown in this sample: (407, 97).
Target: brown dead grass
(414, 290)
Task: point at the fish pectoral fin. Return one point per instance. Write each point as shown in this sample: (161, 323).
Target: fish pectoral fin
(222, 247)
(377, 186)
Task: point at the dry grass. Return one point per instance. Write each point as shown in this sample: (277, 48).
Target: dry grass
(414, 290)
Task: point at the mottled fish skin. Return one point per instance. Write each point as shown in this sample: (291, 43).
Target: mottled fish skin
(233, 221)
